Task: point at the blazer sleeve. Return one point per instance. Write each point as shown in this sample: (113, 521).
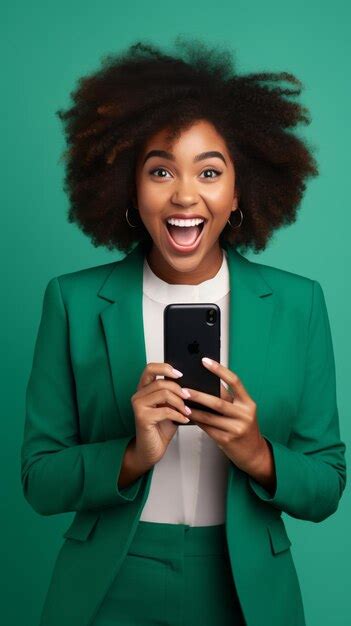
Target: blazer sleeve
(311, 468)
(58, 473)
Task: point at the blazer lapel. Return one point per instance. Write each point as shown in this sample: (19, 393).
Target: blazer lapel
(250, 320)
(123, 326)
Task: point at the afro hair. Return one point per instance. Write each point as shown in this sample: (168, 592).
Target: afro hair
(142, 90)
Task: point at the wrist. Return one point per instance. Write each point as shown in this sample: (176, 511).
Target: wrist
(134, 458)
(131, 468)
(263, 471)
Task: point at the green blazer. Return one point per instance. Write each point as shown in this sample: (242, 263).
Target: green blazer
(88, 358)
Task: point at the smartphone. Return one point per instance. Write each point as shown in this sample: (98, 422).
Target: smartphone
(192, 331)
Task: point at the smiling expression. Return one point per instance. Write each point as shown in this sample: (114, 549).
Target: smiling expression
(192, 177)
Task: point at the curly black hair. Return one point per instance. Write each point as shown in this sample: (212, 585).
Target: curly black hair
(140, 91)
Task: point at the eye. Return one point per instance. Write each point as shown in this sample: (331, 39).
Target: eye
(162, 169)
(211, 169)
(158, 169)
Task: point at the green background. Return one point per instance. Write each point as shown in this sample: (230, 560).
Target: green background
(46, 46)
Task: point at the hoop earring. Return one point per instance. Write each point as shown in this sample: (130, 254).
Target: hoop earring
(132, 225)
(241, 221)
(229, 222)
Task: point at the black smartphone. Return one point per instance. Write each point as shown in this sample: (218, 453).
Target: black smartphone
(192, 331)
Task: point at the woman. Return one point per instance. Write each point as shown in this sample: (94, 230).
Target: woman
(181, 525)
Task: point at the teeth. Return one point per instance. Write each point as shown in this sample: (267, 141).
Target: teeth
(177, 222)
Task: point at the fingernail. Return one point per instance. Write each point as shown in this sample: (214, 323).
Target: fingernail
(185, 393)
(206, 360)
(176, 373)
(187, 410)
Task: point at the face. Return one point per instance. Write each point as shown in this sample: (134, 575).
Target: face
(180, 179)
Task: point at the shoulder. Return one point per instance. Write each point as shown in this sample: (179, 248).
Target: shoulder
(283, 279)
(88, 275)
(74, 286)
(293, 291)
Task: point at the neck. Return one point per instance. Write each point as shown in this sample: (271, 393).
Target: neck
(193, 273)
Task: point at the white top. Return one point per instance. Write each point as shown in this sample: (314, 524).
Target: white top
(189, 483)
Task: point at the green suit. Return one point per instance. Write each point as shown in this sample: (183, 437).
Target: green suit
(88, 359)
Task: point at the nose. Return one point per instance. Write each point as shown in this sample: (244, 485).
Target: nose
(185, 194)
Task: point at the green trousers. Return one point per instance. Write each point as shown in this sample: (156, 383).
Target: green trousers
(173, 575)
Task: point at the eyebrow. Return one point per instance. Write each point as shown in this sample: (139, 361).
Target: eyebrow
(199, 157)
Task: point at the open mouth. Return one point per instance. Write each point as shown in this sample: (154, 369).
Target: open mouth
(185, 236)
(185, 242)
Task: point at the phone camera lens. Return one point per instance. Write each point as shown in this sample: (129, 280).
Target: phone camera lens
(211, 316)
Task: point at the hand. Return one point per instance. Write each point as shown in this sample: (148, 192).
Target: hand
(235, 429)
(152, 405)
